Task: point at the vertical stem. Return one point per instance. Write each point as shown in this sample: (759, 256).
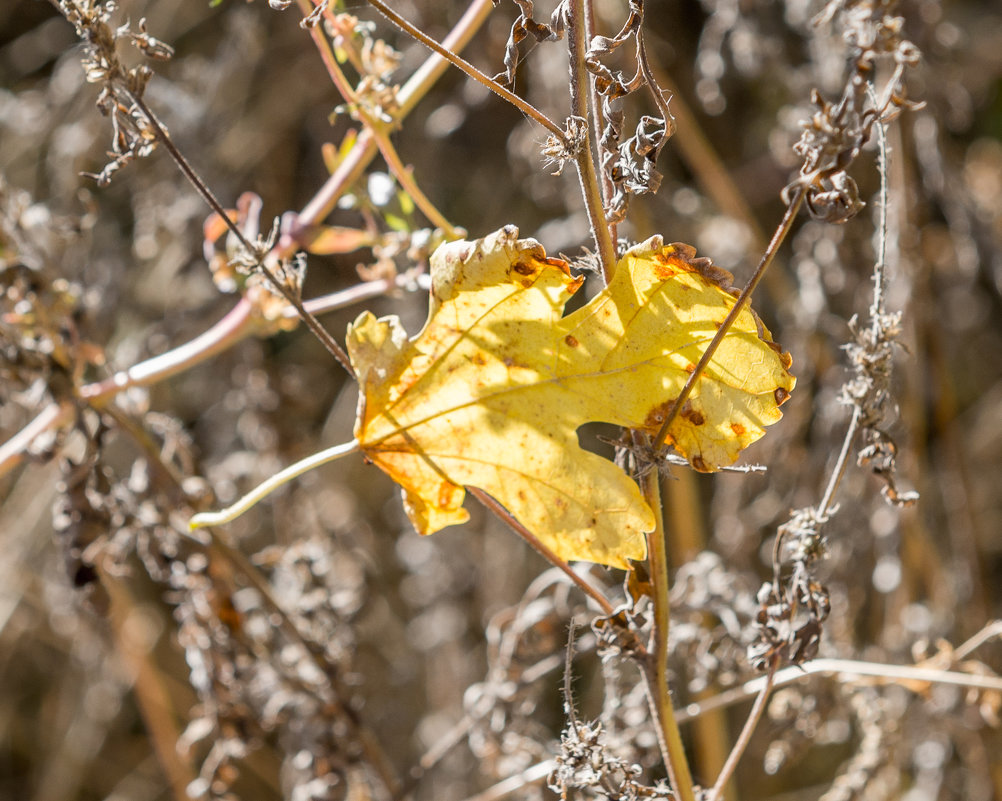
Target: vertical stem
(687, 536)
(598, 120)
(656, 666)
(745, 737)
(583, 154)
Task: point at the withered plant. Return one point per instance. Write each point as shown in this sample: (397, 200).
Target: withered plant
(816, 622)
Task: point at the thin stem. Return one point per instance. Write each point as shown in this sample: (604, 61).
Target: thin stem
(237, 325)
(965, 649)
(849, 671)
(532, 775)
(406, 178)
(323, 202)
(598, 122)
(460, 63)
(365, 149)
(584, 156)
(745, 737)
(742, 300)
(506, 517)
(269, 485)
(379, 130)
(838, 472)
(880, 268)
(365, 291)
(656, 665)
(876, 311)
(312, 323)
(652, 83)
(232, 328)
(13, 450)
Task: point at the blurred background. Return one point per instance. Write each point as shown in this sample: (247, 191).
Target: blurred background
(118, 636)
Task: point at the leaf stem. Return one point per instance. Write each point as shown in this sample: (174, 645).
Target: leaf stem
(742, 300)
(656, 664)
(584, 156)
(271, 484)
(462, 64)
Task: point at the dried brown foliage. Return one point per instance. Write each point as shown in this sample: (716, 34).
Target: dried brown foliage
(319, 649)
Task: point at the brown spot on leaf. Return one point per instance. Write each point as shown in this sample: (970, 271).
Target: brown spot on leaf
(479, 359)
(694, 416)
(571, 341)
(656, 416)
(738, 429)
(446, 494)
(697, 462)
(781, 395)
(663, 269)
(522, 268)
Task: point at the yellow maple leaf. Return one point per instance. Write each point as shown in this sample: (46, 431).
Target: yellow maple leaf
(491, 392)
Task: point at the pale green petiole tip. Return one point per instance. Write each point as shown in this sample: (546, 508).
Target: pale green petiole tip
(265, 488)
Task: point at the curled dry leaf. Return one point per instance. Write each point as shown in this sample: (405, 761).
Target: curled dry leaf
(491, 392)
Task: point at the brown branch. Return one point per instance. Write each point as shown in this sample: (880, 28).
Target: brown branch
(465, 66)
(507, 518)
(206, 194)
(584, 156)
(745, 737)
(655, 665)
